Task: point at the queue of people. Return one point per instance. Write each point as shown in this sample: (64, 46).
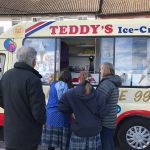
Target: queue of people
(75, 118)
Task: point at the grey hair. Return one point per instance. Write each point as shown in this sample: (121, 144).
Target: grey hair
(109, 67)
(26, 55)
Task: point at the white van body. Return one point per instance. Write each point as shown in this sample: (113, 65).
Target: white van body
(123, 42)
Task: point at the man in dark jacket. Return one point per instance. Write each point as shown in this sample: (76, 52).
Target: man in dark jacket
(23, 101)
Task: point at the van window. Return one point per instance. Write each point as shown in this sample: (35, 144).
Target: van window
(131, 58)
(45, 48)
(106, 48)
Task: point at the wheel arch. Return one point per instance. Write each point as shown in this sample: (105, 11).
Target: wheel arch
(131, 114)
(127, 119)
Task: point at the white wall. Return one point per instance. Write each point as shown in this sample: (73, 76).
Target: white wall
(5, 25)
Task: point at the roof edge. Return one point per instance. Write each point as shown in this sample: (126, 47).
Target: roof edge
(42, 14)
(122, 14)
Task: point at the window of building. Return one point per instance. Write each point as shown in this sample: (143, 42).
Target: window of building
(36, 19)
(15, 21)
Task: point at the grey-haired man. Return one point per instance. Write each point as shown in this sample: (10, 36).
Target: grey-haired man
(23, 101)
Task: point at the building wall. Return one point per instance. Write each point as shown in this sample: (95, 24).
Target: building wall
(7, 21)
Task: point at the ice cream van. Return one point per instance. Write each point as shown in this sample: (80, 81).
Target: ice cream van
(84, 45)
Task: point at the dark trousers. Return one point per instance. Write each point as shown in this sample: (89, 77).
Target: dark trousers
(107, 137)
(33, 148)
(51, 148)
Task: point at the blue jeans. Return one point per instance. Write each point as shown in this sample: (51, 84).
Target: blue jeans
(107, 138)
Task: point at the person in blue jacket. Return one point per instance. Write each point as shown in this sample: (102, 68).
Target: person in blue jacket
(87, 106)
(57, 129)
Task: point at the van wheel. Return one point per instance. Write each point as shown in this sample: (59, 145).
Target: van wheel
(134, 134)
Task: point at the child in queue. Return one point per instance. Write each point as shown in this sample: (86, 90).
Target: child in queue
(56, 132)
(87, 106)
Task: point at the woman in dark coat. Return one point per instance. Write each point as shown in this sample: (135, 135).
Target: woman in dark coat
(87, 107)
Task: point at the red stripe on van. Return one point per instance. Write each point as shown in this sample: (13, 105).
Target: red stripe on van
(34, 26)
(133, 112)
